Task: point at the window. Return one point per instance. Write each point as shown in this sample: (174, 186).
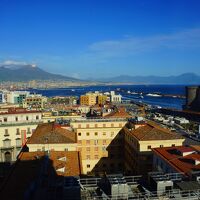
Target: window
(37, 117)
(87, 141)
(104, 125)
(104, 142)
(79, 126)
(161, 145)
(17, 131)
(112, 125)
(96, 157)
(149, 147)
(18, 142)
(96, 125)
(87, 134)
(79, 141)
(95, 142)
(7, 143)
(96, 133)
(28, 130)
(96, 148)
(6, 132)
(120, 125)
(5, 119)
(88, 149)
(104, 133)
(79, 134)
(16, 119)
(103, 148)
(112, 134)
(173, 145)
(27, 118)
(87, 126)
(88, 166)
(88, 157)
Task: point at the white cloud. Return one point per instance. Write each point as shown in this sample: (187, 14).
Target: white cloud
(8, 63)
(127, 46)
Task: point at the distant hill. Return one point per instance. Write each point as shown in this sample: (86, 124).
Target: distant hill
(29, 72)
(187, 78)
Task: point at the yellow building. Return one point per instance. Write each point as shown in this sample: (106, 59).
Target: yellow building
(91, 99)
(140, 139)
(34, 101)
(101, 99)
(51, 137)
(100, 143)
(88, 99)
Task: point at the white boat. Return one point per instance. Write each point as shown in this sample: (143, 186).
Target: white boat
(154, 95)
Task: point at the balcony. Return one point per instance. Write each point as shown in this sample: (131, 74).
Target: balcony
(20, 123)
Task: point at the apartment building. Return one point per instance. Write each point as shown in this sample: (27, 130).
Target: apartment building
(34, 101)
(52, 137)
(100, 143)
(16, 97)
(16, 126)
(139, 141)
(115, 98)
(178, 159)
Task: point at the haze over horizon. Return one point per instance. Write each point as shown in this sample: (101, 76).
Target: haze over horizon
(104, 38)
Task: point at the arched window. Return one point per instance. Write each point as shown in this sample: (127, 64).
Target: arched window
(7, 142)
(7, 156)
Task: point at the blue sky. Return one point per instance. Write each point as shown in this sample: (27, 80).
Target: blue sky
(102, 38)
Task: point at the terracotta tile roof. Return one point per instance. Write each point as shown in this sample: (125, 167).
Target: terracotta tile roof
(52, 134)
(153, 132)
(179, 162)
(118, 113)
(28, 169)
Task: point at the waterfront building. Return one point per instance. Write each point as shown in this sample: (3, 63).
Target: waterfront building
(16, 126)
(88, 99)
(178, 159)
(140, 138)
(115, 98)
(16, 97)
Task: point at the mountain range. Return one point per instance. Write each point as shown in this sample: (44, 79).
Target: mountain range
(29, 72)
(17, 73)
(186, 78)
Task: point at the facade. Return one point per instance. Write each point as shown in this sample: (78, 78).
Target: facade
(34, 101)
(16, 126)
(52, 137)
(100, 143)
(88, 99)
(115, 98)
(2, 99)
(139, 141)
(180, 159)
(16, 97)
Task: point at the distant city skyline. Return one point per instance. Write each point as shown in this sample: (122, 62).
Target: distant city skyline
(104, 38)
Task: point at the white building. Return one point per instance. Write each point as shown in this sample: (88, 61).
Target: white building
(115, 98)
(16, 97)
(16, 126)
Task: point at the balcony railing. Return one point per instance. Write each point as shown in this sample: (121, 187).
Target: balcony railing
(2, 124)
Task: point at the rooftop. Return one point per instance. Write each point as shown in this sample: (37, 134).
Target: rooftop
(119, 113)
(51, 133)
(184, 163)
(153, 132)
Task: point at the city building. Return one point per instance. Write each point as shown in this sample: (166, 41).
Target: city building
(34, 101)
(16, 97)
(178, 159)
(16, 126)
(52, 137)
(2, 98)
(115, 98)
(140, 138)
(88, 99)
(100, 143)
